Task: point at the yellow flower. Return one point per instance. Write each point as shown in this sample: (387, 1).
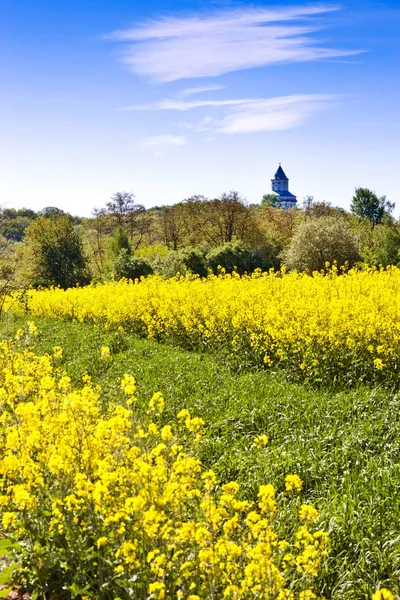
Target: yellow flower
(105, 352)
(73, 468)
(57, 352)
(307, 595)
(128, 385)
(308, 513)
(183, 414)
(293, 482)
(156, 403)
(383, 594)
(378, 364)
(9, 519)
(32, 329)
(260, 441)
(166, 433)
(157, 590)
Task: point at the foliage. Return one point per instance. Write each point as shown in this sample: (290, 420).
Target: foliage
(197, 222)
(194, 261)
(120, 241)
(152, 251)
(57, 250)
(272, 200)
(182, 262)
(384, 246)
(9, 272)
(322, 240)
(235, 256)
(120, 206)
(230, 256)
(51, 212)
(367, 205)
(125, 213)
(326, 328)
(131, 267)
(105, 505)
(170, 265)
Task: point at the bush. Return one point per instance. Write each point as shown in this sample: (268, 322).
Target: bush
(234, 255)
(318, 241)
(229, 256)
(131, 267)
(384, 246)
(170, 265)
(183, 262)
(194, 261)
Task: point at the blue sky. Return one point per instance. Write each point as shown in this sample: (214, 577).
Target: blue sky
(168, 99)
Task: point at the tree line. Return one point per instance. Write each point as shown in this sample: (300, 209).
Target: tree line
(123, 239)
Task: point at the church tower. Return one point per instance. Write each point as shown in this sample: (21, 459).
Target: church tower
(280, 185)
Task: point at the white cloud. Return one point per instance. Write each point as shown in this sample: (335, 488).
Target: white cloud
(167, 49)
(273, 114)
(159, 143)
(201, 89)
(248, 115)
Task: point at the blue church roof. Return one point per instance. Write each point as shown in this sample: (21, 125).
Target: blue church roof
(285, 194)
(280, 174)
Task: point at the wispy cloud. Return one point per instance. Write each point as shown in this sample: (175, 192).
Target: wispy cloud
(201, 89)
(248, 115)
(167, 49)
(159, 143)
(273, 114)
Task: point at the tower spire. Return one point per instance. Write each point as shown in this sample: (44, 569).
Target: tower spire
(280, 185)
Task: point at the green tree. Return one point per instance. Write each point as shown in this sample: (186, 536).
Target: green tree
(120, 241)
(271, 200)
(367, 205)
(57, 252)
(322, 240)
(120, 205)
(51, 212)
(384, 247)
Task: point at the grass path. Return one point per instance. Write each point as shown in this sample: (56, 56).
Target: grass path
(344, 445)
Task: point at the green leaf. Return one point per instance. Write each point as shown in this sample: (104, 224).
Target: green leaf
(5, 591)
(6, 573)
(5, 545)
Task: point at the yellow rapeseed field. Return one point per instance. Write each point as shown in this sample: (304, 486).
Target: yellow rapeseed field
(104, 505)
(324, 327)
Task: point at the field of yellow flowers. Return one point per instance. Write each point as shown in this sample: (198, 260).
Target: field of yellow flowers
(325, 328)
(105, 504)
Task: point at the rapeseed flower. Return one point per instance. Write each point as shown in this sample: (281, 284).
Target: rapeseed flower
(293, 482)
(105, 352)
(133, 498)
(321, 327)
(383, 594)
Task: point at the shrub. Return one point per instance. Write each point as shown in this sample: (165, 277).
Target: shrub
(131, 267)
(235, 256)
(229, 256)
(194, 261)
(182, 262)
(318, 241)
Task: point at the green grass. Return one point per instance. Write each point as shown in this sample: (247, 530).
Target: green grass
(345, 445)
